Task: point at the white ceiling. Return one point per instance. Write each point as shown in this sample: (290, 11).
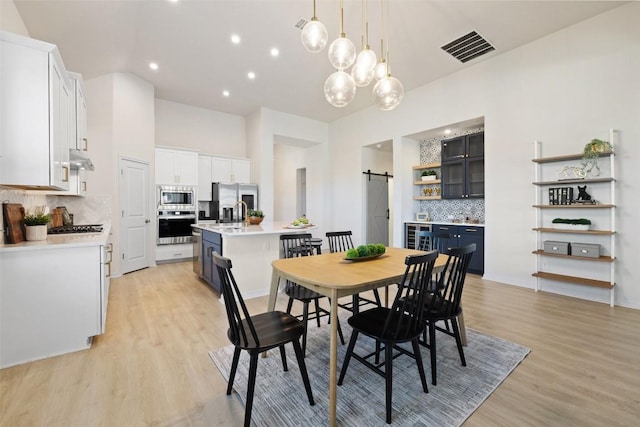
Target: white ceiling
(190, 40)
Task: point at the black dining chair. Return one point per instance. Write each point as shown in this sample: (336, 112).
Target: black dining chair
(257, 334)
(340, 241)
(403, 322)
(433, 240)
(297, 245)
(444, 305)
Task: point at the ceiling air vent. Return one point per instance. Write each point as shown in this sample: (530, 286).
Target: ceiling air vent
(468, 47)
(301, 23)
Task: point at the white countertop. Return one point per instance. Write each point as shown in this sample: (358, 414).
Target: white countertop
(240, 230)
(447, 223)
(67, 240)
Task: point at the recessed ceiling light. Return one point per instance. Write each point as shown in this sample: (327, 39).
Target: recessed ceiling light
(153, 66)
(235, 39)
(251, 75)
(225, 93)
(275, 52)
(173, 1)
(447, 131)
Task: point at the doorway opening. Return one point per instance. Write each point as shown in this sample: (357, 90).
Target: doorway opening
(301, 192)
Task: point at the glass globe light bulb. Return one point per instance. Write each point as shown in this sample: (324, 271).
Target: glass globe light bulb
(367, 59)
(342, 53)
(314, 36)
(361, 76)
(339, 89)
(380, 70)
(387, 93)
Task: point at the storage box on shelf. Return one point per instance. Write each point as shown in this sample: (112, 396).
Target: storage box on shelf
(428, 190)
(600, 244)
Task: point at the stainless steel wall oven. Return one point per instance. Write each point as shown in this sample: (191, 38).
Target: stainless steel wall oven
(175, 226)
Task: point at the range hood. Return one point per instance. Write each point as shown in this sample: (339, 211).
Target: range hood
(78, 159)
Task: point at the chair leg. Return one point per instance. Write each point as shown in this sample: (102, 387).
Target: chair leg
(376, 294)
(347, 356)
(432, 350)
(283, 355)
(388, 371)
(416, 353)
(317, 305)
(234, 367)
(456, 334)
(289, 305)
(253, 367)
(305, 319)
(303, 370)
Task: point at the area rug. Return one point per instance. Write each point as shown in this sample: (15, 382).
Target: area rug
(280, 399)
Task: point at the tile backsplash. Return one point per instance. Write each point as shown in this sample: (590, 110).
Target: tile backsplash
(443, 210)
(85, 210)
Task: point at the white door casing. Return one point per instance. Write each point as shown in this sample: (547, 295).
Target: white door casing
(135, 218)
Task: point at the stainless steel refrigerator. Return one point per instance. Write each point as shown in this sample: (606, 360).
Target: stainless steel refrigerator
(225, 197)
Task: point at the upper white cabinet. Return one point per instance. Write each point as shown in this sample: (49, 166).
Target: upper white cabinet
(220, 169)
(175, 167)
(34, 112)
(79, 114)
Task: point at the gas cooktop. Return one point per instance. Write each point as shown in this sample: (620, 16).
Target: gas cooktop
(72, 229)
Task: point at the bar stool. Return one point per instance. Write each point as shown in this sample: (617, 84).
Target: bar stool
(316, 243)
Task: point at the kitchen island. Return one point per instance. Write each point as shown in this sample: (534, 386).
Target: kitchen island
(251, 249)
(54, 295)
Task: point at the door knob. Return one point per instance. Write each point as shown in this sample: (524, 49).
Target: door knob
(147, 221)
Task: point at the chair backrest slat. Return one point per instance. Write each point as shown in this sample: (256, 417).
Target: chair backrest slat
(452, 279)
(234, 304)
(406, 314)
(339, 241)
(433, 240)
(295, 245)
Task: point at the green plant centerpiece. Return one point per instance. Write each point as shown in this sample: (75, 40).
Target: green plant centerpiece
(591, 153)
(255, 216)
(39, 216)
(366, 251)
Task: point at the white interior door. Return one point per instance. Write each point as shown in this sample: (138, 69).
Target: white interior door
(377, 209)
(135, 218)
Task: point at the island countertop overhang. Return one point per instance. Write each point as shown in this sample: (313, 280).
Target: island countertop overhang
(240, 229)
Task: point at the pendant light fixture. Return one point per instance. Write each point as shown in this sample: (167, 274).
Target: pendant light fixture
(380, 70)
(342, 52)
(339, 89)
(362, 71)
(314, 34)
(388, 91)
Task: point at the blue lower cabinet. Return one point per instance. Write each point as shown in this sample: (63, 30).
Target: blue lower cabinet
(211, 242)
(462, 235)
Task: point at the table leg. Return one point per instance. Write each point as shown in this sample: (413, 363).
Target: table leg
(273, 291)
(333, 360)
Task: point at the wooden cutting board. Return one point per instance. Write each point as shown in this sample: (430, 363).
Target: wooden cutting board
(13, 222)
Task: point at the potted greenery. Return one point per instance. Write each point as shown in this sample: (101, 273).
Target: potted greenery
(571, 224)
(36, 223)
(428, 175)
(255, 216)
(591, 153)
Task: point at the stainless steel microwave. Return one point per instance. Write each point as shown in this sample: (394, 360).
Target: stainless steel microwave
(176, 198)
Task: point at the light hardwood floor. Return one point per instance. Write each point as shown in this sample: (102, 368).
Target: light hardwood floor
(151, 368)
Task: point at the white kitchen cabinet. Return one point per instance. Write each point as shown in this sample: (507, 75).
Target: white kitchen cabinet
(34, 112)
(176, 167)
(180, 251)
(79, 113)
(55, 308)
(220, 169)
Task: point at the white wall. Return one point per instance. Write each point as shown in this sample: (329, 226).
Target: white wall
(564, 90)
(210, 132)
(10, 19)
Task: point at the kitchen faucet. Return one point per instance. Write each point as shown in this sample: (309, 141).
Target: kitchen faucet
(246, 211)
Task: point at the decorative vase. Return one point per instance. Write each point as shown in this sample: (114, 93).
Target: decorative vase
(36, 232)
(255, 220)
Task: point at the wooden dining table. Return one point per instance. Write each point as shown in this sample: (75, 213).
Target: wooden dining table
(333, 276)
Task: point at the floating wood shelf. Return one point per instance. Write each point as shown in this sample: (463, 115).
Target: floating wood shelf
(575, 206)
(574, 181)
(566, 158)
(561, 230)
(433, 181)
(427, 166)
(427, 197)
(582, 258)
(574, 279)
